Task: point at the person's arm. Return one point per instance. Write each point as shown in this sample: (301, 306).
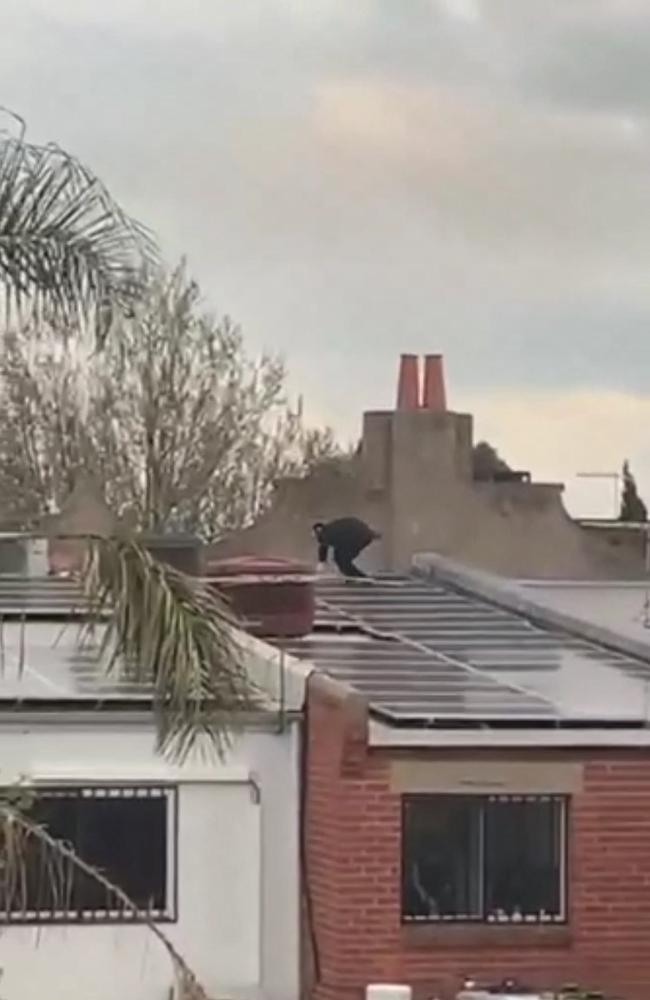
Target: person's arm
(323, 550)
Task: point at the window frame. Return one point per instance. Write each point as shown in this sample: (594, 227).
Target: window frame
(483, 920)
(113, 917)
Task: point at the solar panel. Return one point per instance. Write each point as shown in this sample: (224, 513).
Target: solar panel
(45, 597)
(41, 657)
(43, 661)
(433, 653)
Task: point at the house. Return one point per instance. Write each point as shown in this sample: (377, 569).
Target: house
(445, 778)
(477, 791)
(208, 847)
(414, 479)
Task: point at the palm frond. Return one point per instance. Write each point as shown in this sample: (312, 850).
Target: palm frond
(165, 628)
(66, 247)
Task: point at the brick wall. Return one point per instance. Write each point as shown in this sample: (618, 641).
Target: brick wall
(353, 829)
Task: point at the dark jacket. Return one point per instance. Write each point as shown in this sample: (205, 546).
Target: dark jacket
(345, 534)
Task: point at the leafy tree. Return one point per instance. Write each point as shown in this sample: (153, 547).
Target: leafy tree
(632, 506)
(183, 430)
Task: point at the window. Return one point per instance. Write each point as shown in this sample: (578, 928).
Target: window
(496, 859)
(127, 833)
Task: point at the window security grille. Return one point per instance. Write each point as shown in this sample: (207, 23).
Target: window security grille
(490, 859)
(126, 833)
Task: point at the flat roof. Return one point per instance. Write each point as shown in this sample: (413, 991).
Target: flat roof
(44, 658)
(449, 650)
(48, 659)
(433, 653)
(44, 597)
(621, 606)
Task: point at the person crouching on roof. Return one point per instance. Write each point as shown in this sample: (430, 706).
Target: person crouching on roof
(347, 537)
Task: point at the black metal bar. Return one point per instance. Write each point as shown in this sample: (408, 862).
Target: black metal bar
(558, 829)
(80, 907)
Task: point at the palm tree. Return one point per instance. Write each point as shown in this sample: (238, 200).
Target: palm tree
(161, 626)
(67, 249)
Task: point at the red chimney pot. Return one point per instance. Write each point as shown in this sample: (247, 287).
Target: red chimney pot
(408, 386)
(434, 396)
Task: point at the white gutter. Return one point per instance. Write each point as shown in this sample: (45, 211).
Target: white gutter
(387, 737)
(100, 773)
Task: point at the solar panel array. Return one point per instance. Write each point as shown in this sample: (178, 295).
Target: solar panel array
(39, 597)
(427, 652)
(43, 656)
(46, 661)
(421, 653)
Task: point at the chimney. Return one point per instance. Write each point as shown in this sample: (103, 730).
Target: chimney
(408, 386)
(434, 396)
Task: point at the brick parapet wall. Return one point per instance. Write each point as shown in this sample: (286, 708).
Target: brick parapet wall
(353, 834)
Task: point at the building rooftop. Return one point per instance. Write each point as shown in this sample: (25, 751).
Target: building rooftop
(435, 653)
(446, 650)
(48, 658)
(44, 657)
(621, 606)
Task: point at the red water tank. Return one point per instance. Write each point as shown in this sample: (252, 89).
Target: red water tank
(273, 597)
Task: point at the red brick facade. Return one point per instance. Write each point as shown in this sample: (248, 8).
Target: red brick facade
(352, 871)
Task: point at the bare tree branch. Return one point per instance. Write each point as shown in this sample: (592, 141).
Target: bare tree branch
(183, 428)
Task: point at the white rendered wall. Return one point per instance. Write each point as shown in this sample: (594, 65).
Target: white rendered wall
(238, 884)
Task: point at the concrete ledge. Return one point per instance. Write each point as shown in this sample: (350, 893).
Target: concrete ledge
(385, 737)
(486, 936)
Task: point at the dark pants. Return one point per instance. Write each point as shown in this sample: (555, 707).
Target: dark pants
(343, 557)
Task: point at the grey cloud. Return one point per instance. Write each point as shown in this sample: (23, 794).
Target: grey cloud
(595, 68)
(489, 203)
(589, 54)
(603, 346)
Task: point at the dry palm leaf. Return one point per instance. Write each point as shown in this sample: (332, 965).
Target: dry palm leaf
(22, 841)
(165, 628)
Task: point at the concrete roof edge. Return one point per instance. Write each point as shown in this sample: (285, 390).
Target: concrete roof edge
(512, 596)
(570, 583)
(281, 676)
(383, 736)
(109, 716)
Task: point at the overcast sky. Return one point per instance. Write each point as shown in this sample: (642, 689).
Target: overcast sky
(354, 178)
